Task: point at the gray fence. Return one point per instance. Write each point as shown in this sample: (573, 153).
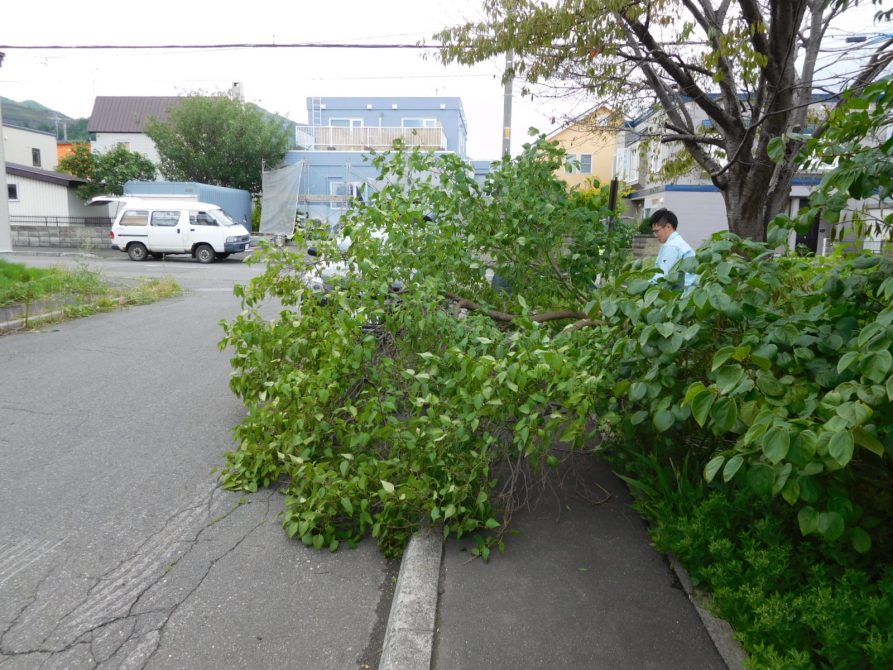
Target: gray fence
(74, 232)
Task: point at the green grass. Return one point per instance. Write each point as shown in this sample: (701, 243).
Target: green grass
(82, 291)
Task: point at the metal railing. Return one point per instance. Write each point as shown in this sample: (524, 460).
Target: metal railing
(59, 221)
(884, 247)
(366, 138)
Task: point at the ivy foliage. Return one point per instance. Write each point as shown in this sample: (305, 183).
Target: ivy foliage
(385, 411)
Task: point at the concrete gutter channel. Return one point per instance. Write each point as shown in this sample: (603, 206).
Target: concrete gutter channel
(409, 636)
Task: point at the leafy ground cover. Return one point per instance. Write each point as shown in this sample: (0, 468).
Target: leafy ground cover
(75, 293)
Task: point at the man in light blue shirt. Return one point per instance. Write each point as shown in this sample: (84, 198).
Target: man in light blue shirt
(673, 248)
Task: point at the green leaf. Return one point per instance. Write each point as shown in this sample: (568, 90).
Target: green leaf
(693, 390)
(776, 443)
(755, 432)
(638, 417)
(830, 525)
(728, 378)
(700, 406)
(663, 420)
(768, 384)
(492, 523)
(791, 491)
(387, 486)
(732, 466)
(435, 513)
(808, 520)
(724, 414)
(449, 511)
(637, 391)
(876, 365)
(846, 360)
(868, 441)
(776, 148)
(841, 447)
(347, 505)
(860, 540)
(721, 356)
(855, 413)
(712, 467)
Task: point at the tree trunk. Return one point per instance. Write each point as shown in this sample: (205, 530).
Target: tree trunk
(754, 194)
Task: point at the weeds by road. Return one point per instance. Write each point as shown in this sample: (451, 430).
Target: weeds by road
(62, 293)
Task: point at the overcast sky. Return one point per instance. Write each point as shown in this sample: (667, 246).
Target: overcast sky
(278, 79)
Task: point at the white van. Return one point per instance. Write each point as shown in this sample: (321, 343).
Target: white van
(156, 226)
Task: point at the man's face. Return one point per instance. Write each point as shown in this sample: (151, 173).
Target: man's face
(662, 231)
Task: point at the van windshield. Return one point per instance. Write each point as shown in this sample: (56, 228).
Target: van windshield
(222, 217)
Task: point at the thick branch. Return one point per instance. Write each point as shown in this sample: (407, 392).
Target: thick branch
(505, 317)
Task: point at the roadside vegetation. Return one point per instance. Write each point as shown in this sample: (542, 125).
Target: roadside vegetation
(752, 415)
(73, 293)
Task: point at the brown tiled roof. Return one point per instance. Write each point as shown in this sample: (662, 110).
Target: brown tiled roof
(122, 114)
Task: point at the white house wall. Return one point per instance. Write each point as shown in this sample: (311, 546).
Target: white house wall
(18, 144)
(38, 198)
(136, 142)
(701, 213)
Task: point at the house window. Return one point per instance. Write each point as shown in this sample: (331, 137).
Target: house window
(346, 123)
(571, 164)
(586, 163)
(351, 190)
(419, 123)
(12, 191)
(35, 157)
(632, 163)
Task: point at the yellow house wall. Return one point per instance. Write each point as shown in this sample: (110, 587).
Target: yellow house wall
(578, 140)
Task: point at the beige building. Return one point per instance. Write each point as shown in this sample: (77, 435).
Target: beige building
(589, 141)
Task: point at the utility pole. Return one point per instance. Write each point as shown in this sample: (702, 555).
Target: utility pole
(507, 105)
(5, 232)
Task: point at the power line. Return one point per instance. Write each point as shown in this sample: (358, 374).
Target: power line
(236, 45)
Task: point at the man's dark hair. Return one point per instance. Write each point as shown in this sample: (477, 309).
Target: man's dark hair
(664, 216)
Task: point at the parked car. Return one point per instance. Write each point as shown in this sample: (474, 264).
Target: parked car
(158, 226)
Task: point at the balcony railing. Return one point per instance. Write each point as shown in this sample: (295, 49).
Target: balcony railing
(883, 247)
(367, 138)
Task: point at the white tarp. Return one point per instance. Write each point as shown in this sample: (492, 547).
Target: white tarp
(280, 200)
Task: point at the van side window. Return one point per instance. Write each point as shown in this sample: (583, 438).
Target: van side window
(135, 217)
(168, 219)
(201, 219)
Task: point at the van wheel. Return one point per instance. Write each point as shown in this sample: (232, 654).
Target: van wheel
(205, 253)
(137, 251)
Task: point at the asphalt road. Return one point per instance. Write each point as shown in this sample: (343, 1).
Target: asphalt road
(118, 548)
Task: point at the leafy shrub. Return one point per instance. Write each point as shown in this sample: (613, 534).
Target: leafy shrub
(773, 372)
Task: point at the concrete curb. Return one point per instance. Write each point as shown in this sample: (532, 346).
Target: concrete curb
(719, 630)
(409, 637)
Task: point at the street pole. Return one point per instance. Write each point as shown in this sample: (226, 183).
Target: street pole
(5, 232)
(507, 106)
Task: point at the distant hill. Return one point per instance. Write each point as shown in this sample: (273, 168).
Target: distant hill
(33, 115)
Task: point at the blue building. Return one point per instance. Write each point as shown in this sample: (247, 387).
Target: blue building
(334, 146)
